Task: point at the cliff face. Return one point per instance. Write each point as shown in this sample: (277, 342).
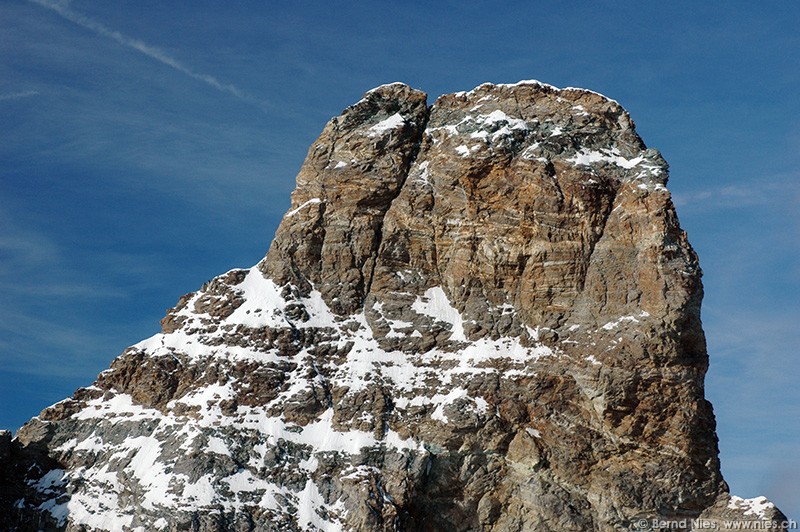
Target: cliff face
(479, 315)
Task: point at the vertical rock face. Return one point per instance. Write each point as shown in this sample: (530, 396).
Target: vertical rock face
(479, 315)
(344, 189)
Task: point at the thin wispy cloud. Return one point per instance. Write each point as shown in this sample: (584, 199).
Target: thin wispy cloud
(753, 359)
(150, 51)
(28, 339)
(18, 95)
(35, 254)
(783, 189)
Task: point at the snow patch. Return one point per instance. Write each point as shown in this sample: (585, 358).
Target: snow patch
(462, 150)
(421, 175)
(393, 122)
(499, 117)
(533, 433)
(386, 86)
(611, 325)
(436, 305)
(306, 204)
(757, 506)
(310, 502)
(589, 157)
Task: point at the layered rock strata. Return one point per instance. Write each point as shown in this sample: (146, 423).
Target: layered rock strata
(478, 315)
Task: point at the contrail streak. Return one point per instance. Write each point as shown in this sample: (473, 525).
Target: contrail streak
(146, 49)
(18, 95)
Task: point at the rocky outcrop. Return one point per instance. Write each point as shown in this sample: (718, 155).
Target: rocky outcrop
(479, 315)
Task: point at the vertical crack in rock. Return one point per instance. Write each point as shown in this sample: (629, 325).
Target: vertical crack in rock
(478, 315)
(354, 171)
(379, 239)
(593, 242)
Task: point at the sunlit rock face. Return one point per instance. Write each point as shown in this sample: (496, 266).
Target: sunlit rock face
(477, 315)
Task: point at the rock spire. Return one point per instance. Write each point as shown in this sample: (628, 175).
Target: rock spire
(477, 315)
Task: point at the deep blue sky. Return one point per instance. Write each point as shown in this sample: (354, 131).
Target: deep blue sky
(147, 146)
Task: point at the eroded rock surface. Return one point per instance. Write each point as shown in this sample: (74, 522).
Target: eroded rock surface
(479, 315)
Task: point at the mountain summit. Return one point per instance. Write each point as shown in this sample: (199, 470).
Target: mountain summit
(478, 315)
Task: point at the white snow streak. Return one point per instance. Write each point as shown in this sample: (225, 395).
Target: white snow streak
(306, 204)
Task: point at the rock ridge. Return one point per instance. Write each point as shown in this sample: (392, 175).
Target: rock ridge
(481, 314)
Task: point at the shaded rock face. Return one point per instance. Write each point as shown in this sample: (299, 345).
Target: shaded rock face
(478, 315)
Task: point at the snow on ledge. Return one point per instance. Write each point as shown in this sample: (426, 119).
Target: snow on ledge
(756, 506)
(589, 157)
(387, 85)
(436, 305)
(537, 83)
(393, 122)
(298, 209)
(611, 325)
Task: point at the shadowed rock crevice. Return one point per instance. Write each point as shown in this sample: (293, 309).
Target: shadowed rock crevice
(352, 174)
(379, 237)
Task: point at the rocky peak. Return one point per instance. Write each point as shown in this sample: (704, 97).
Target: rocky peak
(478, 315)
(351, 175)
(502, 201)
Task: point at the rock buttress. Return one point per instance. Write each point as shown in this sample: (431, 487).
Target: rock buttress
(351, 175)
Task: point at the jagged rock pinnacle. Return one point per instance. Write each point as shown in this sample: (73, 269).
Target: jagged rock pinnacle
(478, 315)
